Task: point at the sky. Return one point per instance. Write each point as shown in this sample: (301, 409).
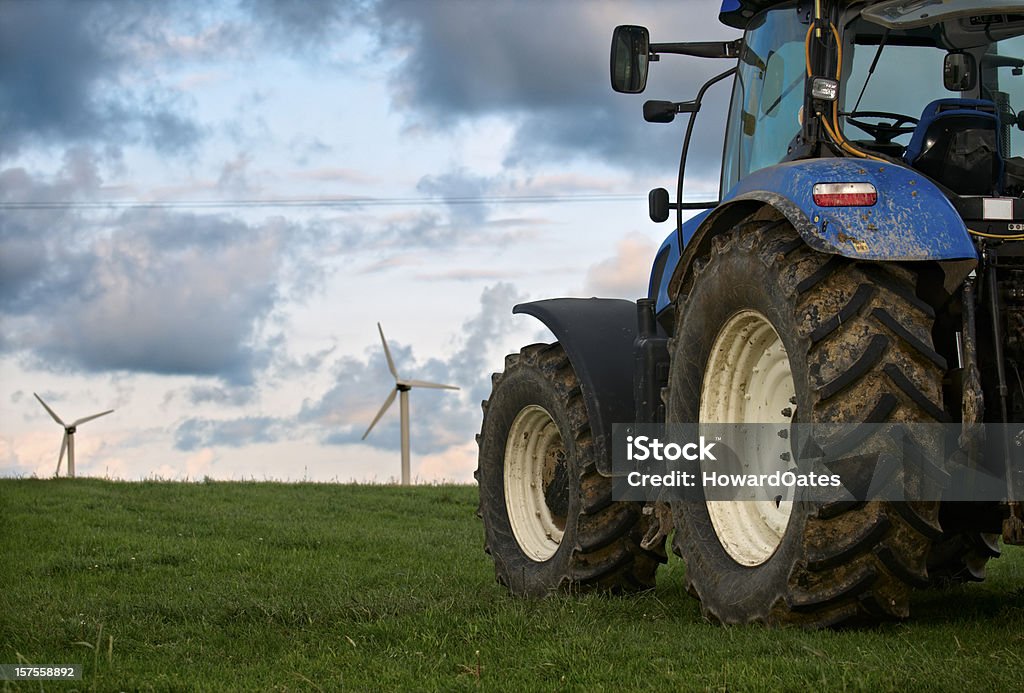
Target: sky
(206, 207)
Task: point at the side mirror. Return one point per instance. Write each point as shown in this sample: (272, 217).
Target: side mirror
(631, 48)
(959, 72)
(659, 111)
(665, 111)
(658, 205)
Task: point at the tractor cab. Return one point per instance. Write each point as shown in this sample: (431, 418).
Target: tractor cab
(943, 96)
(935, 86)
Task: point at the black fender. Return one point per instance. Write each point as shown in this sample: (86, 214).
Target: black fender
(597, 335)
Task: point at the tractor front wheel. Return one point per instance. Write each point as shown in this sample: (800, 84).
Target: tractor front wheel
(549, 519)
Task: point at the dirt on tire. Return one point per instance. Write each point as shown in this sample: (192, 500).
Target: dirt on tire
(860, 348)
(600, 549)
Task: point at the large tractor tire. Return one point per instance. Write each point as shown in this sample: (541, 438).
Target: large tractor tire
(767, 330)
(549, 520)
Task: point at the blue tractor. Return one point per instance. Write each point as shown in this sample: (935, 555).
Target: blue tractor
(864, 265)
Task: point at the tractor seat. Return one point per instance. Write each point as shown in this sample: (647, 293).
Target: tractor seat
(956, 144)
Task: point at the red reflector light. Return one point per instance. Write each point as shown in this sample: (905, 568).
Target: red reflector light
(845, 194)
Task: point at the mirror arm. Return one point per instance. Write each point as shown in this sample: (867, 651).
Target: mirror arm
(680, 205)
(700, 49)
(659, 206)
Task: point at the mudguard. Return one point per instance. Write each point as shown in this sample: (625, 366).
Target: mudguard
(911, 221)
(597, 335)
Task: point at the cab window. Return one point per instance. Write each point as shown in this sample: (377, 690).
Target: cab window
(767, 96)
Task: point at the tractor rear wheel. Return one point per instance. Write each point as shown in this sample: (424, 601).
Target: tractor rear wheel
(768, 329)
(549, 519)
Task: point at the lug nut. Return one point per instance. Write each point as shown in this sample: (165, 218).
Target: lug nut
(792, 400)
(784, 434)
(787, 412)
(784, 457)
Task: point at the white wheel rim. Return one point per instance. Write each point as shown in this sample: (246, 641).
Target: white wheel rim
(533, 451)
(748, 380)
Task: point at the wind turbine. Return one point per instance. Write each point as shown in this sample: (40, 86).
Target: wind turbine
(402, 388)
(69, 436)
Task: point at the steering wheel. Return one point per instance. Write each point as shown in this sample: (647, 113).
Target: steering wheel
(883, 133)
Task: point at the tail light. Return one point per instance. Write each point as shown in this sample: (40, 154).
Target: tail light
(845, 194)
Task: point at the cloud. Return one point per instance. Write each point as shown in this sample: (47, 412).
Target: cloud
(234, 178)
(195, 433)
(64, 69)
(224, 396)
(397, 237)
(334, 175)
(285, 366)
(153, 291)
(454, 465)
(308, 24)
(88, 72)
(171, 294)
(464, 275)
(200, 463)
(470, 365)
(34, 454)
(91, 72)
(49, 65)
(462, 191)
(545, 65)
(626, 273)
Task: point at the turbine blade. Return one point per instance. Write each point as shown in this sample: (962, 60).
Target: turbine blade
(60, 458)
(387, 352)
(387, 403)
(47, 408)
(90, 418)
(424, 383)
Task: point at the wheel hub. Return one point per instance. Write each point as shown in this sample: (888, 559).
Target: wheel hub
(748, 380)
(536, 482)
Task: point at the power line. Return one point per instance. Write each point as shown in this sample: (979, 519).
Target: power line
(339, 202)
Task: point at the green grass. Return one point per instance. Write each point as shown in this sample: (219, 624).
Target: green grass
(262, 586)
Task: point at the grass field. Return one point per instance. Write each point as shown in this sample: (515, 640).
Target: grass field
(263, 586)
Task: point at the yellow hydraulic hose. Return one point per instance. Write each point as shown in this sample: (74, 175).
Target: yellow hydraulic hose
(998, 238)
(835, 133)
(832, 128)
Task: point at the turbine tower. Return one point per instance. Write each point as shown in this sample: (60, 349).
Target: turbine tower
(69, 436)
(402, 388)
